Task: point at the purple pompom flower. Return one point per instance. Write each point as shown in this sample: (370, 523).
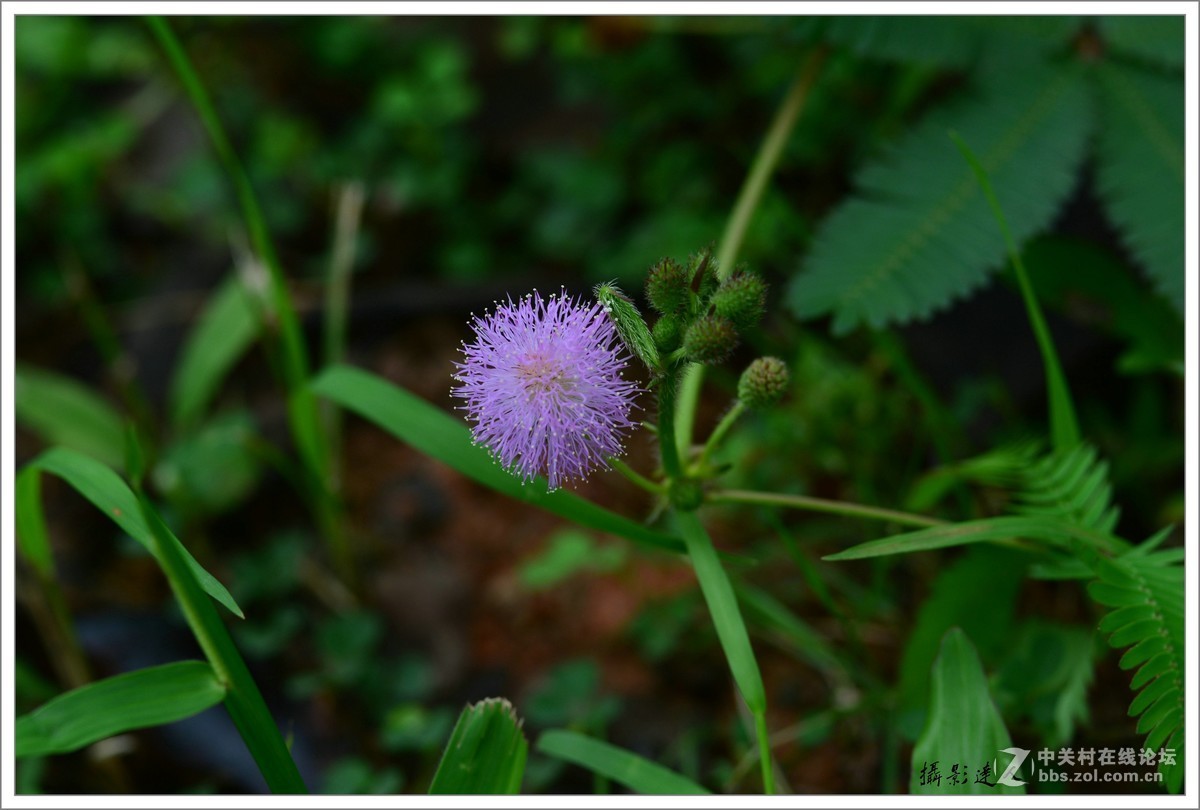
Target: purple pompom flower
(542, 382)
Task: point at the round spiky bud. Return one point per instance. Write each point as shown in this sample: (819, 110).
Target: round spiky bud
(667, 288)
(702, 269)
(763, 383)
(741, 299)
(667, 333)
(710, 339)
(686, 494)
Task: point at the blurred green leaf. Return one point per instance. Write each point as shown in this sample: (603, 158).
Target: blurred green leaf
(634, 772)
(964, 725)
(33, 541)
(568, 552)
(435, 433)
(224, 331)
(148, 697)
(105, 489)
(64, 412)
(1157, 39)
(1140, 169)
(213, 469)
(486, 753)
(918, 234)
(1045, 677)
(412, 727)
(978, 593)
(569, 694)
(354, 776)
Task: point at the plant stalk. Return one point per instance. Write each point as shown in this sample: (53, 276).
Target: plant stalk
(822, 505)
(747, 203)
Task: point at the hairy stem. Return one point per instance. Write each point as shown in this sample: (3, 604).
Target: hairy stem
(717, 436)
(747, 203)
(634, 476)
(822, 505)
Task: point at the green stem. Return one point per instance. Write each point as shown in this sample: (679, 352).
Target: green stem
(718, 434)
(636, 477)
(303, 417)
(822, 505)
(1064, 428)
(764, 752)
(747, 203)
(666, 425)
(337, 301)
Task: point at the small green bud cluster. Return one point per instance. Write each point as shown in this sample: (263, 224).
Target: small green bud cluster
(763, 383)
(701, 314)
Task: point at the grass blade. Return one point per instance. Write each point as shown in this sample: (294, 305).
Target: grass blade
(105, 489)
(964, 725)
(722, 604)
(634, 772)
(1001, 529)
(486, 753)
(67, 413)
(414, 421)
(243, 700)
(148, 697)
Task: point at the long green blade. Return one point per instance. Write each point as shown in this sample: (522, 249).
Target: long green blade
(414, 421)
(148, 697)
(723, 606)
(243, 700)
(228, 327)
(105, 489)
(964, 729)
(1049, 530)
(486, 753)
(634, 772)
(64, 412)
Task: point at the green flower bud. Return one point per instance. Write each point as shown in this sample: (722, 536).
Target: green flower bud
(763, 383)
(667, 288)
(703, 270)
(710, 339)
(667, 334)
(742, 299)
(630, 326)
(686, 494)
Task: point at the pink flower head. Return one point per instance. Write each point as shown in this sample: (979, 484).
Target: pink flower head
(542, 383)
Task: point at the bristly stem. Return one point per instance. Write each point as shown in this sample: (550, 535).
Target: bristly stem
(715, 438)
(634, 476)
(822, 505)
(747, 203)
(666, 425)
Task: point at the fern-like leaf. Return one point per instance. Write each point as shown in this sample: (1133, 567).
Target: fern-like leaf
(1146, 592)
(1140, 169)
(1071, 485)
(919, 233)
